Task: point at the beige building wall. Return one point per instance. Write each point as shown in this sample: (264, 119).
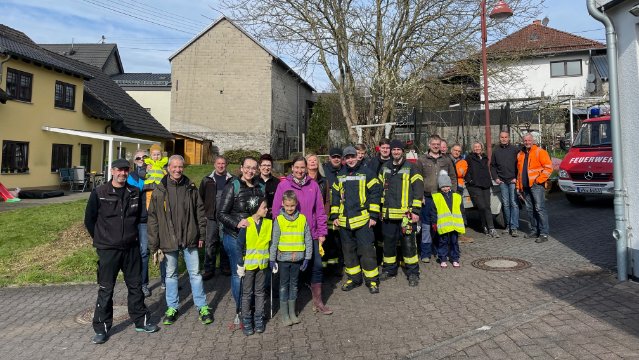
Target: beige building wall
(159, 101)
(222, 90)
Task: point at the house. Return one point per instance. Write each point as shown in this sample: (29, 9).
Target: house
(625, 17)
(152, 91)
(61, 113)
(230, 89)
(103, 56)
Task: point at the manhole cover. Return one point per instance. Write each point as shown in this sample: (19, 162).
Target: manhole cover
(501, 264)
(120, 313)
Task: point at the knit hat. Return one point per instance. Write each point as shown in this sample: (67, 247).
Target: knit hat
(443, 179)
(349, 150)
(155, 147)
(396, 144)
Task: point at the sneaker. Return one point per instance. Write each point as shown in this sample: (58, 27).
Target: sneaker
(413, 280)
(493, 233)
(456, 264)
(541, 238)
(169, 316)
(426, 260)
(350, 285)
(148, 328)
(386, 275)
(373, 288)
(443, 265)
(259, 324)
(530, 236)
(247, 326)
(146, 291)
(514, 233)
(99, 338)
(505, 231)
(205, 315)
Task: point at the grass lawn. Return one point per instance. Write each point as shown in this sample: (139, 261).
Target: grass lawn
(197, 172)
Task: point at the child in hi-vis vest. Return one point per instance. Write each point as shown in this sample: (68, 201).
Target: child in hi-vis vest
(447, 221)
(292, 247)
(157, 169)
(254, 242)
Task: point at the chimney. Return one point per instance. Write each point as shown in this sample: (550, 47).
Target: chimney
(536, 22)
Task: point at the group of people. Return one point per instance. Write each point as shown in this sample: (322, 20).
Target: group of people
(347, 216)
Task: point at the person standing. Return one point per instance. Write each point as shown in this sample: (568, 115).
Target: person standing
(534, 167)
(447, 221)
(267, 180)
(111, 217)
(332, 246)
(177, 223)
(503, 166)
(461, 168)
(479, 183)
(310, 203)
(211, 189)
(384, 155)
(355, 210)
(402, 201)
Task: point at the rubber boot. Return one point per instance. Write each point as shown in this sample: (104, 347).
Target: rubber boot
(286, 320)
(318, 305)
(291, 312)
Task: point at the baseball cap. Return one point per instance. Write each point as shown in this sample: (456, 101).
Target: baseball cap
(349, 150)
(335, 152)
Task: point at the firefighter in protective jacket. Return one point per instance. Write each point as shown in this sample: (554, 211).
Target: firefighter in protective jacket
(355, 210)
(403, 187)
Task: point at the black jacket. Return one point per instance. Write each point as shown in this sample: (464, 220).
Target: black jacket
(478, 174)
(208, 194)
(235, 206)
(113, 222)
(376, 164)
(403, 189)
(503, 164)
(355, 197)
(269, 187)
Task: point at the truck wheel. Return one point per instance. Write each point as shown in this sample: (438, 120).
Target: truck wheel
(500, 220)
(575, 199)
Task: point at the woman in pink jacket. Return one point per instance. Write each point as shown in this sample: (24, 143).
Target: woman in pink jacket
(311, 204)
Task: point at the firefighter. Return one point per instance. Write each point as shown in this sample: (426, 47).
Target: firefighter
(355, 209)
(403, 187)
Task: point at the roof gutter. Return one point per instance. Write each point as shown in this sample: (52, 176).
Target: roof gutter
(620, 231)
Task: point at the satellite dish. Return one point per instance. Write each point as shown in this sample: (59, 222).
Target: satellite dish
(590, 87)
(591, 77)
(545, 21)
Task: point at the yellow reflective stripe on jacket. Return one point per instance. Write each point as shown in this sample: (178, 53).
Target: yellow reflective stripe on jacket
(416, 177)
(390, 259)
(447, 220)
(405, 189)
(373, 207)
(417, 203)
(257, 245)
(371, 273)
(291, 233)
(353, 270)
(411, 260)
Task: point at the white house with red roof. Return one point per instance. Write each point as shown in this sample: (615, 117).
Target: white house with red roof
(539, 61)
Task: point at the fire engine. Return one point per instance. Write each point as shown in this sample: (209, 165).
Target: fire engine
(587, 168)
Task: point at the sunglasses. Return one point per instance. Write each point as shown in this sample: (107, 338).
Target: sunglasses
(138, 158)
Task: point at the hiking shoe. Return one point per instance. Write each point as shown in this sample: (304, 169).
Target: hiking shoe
(541, 238)
(426, 260)
(456, 264)
(386, 275)
(148, 328)
(259, 324)
(205, 315)
(169, 316)
(530, 236)
(146, 291)
(350, 285)
(247, 326)
(413, 280)
(493, 233)
(443, 265)
(99, 338)
(514, 233)
(373, 288)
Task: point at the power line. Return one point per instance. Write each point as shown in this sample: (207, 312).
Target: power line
(128, 5)
(156, 9)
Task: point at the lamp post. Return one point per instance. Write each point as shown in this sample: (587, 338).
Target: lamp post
(500, 11)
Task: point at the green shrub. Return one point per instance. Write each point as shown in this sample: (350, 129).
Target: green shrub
(236, 156)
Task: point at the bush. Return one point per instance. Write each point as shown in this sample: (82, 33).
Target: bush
(236, 156)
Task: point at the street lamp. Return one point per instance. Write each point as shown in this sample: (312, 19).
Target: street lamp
(501, 11)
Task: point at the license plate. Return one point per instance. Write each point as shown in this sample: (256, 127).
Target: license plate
(590, 190)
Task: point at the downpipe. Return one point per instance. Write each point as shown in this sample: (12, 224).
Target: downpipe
(619, 233)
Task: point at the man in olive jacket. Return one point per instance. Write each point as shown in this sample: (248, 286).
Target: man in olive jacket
(176, 222)
(111, 218)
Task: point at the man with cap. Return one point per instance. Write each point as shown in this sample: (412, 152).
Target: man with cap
(111, 217)
(355, 199)
(332, 245)
(403, 188)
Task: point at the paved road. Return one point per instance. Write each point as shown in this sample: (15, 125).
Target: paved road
(566, 305)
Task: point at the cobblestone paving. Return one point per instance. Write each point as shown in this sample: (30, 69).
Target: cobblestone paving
(567, 305)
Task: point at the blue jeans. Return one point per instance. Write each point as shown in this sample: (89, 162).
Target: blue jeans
(510, 203)
(536, 206)
(289, 274)
(192, 260)
(426, 245)
(448, 248)
(233, 251)
(144, 253)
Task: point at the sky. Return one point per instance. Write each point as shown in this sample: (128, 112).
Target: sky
(147, 32)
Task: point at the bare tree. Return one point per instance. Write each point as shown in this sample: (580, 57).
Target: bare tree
(375, 53)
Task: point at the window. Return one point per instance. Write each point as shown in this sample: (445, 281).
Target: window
(85, 156)
(565, 68)
(64, 95)
(61, 156)
(15, 157)
(19, 85)
(121, 152)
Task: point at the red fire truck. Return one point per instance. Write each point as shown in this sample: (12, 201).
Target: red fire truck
(587, 168)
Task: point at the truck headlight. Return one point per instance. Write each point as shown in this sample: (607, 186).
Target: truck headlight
(563, 174)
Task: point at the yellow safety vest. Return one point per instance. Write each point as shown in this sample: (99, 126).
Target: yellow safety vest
(157, 171)
(448, 221)
(291, 233)
(257, 245)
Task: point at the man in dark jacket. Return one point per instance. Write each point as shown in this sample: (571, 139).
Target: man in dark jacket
(503, 166)
(177, 224)
(112, 216)
(332, 245)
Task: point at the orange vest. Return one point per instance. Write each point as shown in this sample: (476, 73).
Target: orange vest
(461, 166)
(539, 166)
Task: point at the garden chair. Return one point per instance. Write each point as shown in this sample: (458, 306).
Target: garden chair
(80, 179)
(65, 177)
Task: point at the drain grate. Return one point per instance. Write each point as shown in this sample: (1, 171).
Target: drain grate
(120, 313)
(501, 263)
